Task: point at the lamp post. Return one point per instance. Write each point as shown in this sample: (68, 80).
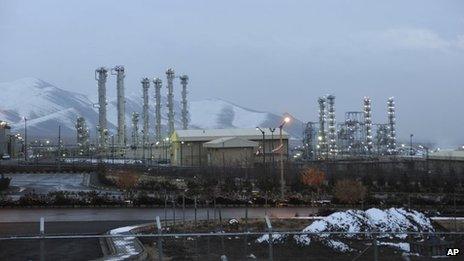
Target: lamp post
(151, 153)
(282, 181)
(25, 139)
(264, 150)
(166, 148)
(410, 145)
(272, 147)
(181, 146)
(158, 151)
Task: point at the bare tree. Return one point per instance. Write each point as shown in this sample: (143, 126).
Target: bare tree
(349, 191)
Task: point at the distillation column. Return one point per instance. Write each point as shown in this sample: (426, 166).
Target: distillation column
(185, 113)
(368, 124)
(145, 136)
(391, 126)
(331, 126)
(158, 84)
(119, 72)
(170, 78)
(135, 131)
(82, 135)
(321, 137)
(101, 75)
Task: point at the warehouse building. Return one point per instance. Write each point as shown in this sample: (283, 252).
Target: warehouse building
(226, 147)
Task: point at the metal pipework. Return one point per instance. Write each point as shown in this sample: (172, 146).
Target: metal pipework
(119, 72)
(185, 114)
(368, 125)
(170, 79)
(145, 137)
(101, 74)
(158, 84)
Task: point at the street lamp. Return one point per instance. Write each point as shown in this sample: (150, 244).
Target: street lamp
(272, 147)
(181, 146)
(25, 139)
(282, 181)
(410, 145)
(264, 150)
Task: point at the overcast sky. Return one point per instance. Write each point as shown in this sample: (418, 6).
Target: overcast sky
(276, 56)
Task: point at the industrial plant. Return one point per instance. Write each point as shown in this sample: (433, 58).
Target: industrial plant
(137, 148)
(356, 136)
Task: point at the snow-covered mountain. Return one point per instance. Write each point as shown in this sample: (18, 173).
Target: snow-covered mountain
(46, 107)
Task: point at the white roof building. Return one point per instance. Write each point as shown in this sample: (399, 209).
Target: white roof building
(230, 142)
(212, 134)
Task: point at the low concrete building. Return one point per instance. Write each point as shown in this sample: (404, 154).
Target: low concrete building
(226, 147)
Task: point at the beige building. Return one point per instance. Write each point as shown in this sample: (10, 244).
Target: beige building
(226, 147)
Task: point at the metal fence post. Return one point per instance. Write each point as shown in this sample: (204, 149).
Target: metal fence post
(42, 243)
(174, 210)
(195, 205)
(42, 226)
(376, 250)
(183, 209)
(165, 208)
(269, 228)
(160, 243)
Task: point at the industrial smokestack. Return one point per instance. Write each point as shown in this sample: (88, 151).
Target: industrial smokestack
(145, 137)
(185, 114)
(321, 139)
(158, 83)
(170, 77)
(101, 75)
(331, 126)
(391, 126)
(119, 72)
(368, 124)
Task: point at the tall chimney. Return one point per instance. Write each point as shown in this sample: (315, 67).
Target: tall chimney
(170, 77)
(145, 86)
(185, 114)
(332, 126)
(158, 84)
(368, 125)
(321, 137)
(101, 75)
(119, 72)
(391, 126)
(135, 130)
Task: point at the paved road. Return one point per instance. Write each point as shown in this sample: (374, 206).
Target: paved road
(146, 214)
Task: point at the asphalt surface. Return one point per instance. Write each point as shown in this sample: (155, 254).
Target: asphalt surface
(144, 214)
(55, 249)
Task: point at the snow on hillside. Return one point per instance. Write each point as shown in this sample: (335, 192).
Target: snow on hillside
(47, 107)
(216, 113)
(391, 223)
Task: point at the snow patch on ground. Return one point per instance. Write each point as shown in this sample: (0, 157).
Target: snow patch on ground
(401, 246)
(125, 247)
(391, 223)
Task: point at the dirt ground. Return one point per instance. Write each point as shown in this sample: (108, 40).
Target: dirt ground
(246, 247)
